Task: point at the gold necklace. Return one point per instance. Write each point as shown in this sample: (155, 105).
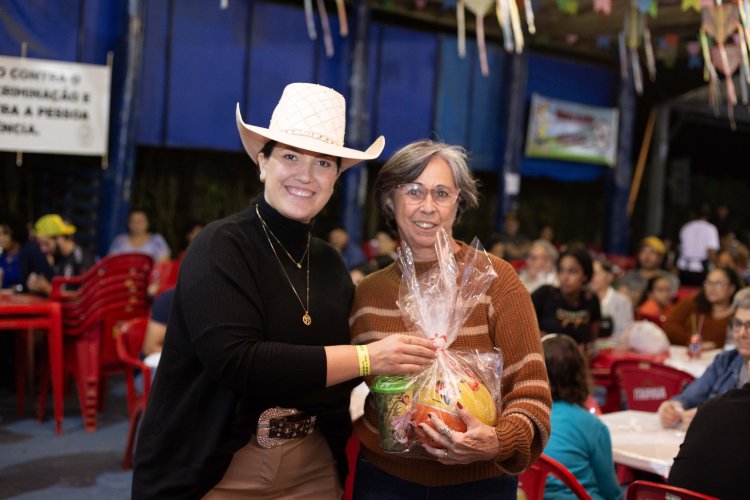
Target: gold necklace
(268, 230)
(306, 318)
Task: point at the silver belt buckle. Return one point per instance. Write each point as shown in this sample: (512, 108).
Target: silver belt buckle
(277, 426)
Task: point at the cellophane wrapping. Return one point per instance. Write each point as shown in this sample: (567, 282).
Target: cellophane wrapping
(436, 304)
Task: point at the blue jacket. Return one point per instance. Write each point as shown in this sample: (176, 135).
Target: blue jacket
(721, 376)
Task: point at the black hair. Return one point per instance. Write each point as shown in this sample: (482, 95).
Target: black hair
(702, 305)
(268, 147)
(584, 260)
(19, 231)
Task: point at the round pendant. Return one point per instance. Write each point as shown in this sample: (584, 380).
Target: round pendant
(306, 319)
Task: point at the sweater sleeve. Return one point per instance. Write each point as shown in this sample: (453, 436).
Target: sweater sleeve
(524, 424)
(676, 325)
(221, 303)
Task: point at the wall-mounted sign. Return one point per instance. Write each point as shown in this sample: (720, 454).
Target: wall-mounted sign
(53, 107)
(570, 131)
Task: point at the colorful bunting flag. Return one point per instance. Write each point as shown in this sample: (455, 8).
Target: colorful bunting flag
(603, 6)
(568, 6)
(691, 4)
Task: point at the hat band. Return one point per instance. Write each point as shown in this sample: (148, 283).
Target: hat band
(310, 133)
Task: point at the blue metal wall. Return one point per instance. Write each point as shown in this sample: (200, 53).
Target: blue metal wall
(199, 60)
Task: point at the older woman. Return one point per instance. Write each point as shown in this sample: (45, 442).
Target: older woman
(540, 266)
(580, 441)
(252, 393)
(708, 311)
(424, 187)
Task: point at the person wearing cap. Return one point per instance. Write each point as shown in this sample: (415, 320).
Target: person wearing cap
(67, 258)
(651, 252)
(251, 398)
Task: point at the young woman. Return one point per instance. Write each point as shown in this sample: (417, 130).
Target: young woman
(571, 308)
(579, 440)
(252, 393)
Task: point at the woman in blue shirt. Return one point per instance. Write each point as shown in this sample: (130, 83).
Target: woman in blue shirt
(579, 440)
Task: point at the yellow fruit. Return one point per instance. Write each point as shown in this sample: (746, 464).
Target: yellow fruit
(473, 397)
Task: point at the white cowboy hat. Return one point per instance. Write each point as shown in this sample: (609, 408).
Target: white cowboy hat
(310, 117)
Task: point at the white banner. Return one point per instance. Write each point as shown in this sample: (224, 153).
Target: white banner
(53, 107)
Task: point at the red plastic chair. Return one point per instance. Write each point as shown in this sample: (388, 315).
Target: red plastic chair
(646, 384)
(534, 479)
(684, 291)
(646, 490)
(129, 336)
(163, 277)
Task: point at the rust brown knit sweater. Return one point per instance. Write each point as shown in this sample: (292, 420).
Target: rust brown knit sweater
(504, 318)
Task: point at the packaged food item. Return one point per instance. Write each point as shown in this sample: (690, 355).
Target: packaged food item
(393, 398)
(436, 304)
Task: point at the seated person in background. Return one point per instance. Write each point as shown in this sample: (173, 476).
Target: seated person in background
(138, 239)
(707, 312)
(55, 238)
(19, 257)
(350, 253)
(516, 244)
(540, 266)
(651, 253)
(579, 440)
(728, 371)
(657, 300)
(157, 328)
(714, 457)
(571, 309)
(616, 307)
(385, 248)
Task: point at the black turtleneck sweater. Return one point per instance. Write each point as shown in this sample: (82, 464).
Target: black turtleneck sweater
(236, 346)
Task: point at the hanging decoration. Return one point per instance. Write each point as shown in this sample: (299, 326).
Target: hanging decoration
(666, 49)
(636, 34)
(327, 36)
(603, 7)
(691, 4)
(568, 6)
(719, 24)
(693, 48)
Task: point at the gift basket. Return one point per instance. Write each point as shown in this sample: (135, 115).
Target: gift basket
(436, 304)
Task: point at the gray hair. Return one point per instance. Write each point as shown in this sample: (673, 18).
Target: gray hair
(741, 299)
(548, 248)
(409, 162)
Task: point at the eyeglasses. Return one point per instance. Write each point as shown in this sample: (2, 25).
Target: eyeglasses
(415, 193)
(715, 283)
(737, 325)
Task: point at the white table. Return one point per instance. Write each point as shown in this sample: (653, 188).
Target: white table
(639, 441)
(679, 359)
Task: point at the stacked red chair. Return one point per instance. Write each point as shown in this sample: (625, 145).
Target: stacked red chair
(114, 290)
(129, 341)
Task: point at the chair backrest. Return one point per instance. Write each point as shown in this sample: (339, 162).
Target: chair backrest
(533, 481)
(129, 337)
(75, 287)
(646, 384)
(163, 276)
(646, 490)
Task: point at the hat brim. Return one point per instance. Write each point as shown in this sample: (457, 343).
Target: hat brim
(254, 138)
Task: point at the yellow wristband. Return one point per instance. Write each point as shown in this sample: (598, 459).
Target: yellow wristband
(363, 355)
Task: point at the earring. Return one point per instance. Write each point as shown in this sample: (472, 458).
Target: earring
(262, 176)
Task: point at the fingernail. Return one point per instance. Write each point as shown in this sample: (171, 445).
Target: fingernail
(429, 415)
(460, 406)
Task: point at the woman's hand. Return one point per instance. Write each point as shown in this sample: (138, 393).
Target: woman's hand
(400, 354)
(479, 443)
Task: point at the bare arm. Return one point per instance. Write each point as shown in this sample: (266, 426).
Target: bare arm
(154, 339)
(394, 355)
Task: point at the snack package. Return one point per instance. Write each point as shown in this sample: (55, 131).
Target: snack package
(436, 304)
